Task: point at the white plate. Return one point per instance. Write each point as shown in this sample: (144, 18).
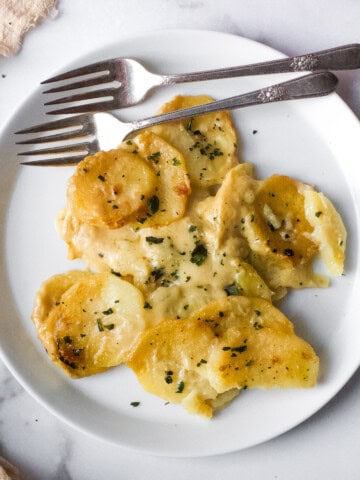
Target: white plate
(314, 140)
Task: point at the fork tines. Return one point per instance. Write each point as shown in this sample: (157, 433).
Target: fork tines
(104, 69)
(99, 73)
(79, 129)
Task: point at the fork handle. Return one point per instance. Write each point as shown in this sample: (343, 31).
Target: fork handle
(346, 57)
(312, 85)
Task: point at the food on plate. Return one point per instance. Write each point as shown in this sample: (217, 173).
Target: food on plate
(144, 181)
(88, 322)
(188, 251)
(328, 230)
(231, 344)
(208, 142)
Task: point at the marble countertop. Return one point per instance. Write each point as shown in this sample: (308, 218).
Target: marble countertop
(44, 448)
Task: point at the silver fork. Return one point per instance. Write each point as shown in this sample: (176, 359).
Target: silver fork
(134, 81)
(88, 133)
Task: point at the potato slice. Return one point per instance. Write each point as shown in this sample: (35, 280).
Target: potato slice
(279, 273)
(232, 343)
(224, 213)
(168, 202)
(182, 301)
(93, 325)
(247, 282)
(167, 363)
(329, 231)
(257, 347)
(50, 293)
(277, 225)
(110, 187)
(208, 142)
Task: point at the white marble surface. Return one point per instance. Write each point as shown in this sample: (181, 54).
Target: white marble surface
(326, 445)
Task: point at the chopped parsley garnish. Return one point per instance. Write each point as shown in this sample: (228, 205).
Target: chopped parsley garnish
(192, 228)
(134, 404)
(109, 311)
(100, 325)
(240, 349)
(231, 289)
(117, 274)
(199, 254)
(154, 157)
(68, 363)
(168, 376)
(153, 204)
(110, 326)
(68, 339)
(158, 273)
(147, 305)
(189, 125)
(175, 161)
(155, 240)
(257, 326)
(180, 387)
(202, 362)
(101, 178)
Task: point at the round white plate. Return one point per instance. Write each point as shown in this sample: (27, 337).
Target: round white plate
(314, 140)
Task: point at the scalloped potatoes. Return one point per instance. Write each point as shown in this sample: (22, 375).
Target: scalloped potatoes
(144, 181)
(208, 142)
(231, 344)
(202, 248)
(91, 321)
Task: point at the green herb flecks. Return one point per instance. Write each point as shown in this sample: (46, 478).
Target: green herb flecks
(153, 204)
(155, 240)
(117, 274)
(110, 326)
(168, 376)
(199, 254)
(180, 387)
(109, 311)
(154, 157)
(231, 289)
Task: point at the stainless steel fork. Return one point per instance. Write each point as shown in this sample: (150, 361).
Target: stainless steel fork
(88, 133)
(133, 81)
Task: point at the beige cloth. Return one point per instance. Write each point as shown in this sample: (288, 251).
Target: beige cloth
(8, 471)
(17, 17)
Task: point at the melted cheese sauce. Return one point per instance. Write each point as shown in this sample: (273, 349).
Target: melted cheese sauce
(201, 234)
(179, 267)
(206, 255)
